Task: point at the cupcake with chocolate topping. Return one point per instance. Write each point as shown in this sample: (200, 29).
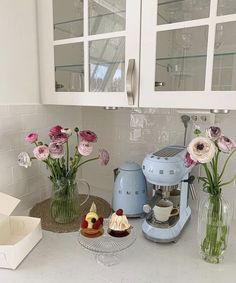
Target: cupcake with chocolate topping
(118, 224)
(91, 224)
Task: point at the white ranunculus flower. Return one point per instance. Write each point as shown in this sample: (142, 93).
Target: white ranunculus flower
(24, 159)
(201, 149)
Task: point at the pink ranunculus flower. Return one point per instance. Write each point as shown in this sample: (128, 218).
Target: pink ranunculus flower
(225, 144)
(61, 138)
(104, 157)
(188, 162)
(31, 138)
(24, 159)
(66, 131)
(85, 148)
(56, 150)
(55, 131)
(41, 152)
(201, 149)
(88, 136)
(213, 133)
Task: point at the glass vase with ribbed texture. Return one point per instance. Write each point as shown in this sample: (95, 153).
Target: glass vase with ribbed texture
(214, 219)
(65, 206)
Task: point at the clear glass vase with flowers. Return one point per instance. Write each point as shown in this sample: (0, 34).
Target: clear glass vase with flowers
(65, 204)
(214, 215)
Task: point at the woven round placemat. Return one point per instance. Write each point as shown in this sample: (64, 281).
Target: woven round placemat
(42, 210)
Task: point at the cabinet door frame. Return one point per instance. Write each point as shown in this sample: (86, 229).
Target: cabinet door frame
(206, 99)
(46, 58)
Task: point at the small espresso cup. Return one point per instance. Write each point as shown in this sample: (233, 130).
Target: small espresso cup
(163, 210)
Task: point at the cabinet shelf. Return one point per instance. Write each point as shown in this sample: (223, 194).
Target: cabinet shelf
(180, 57)
(56, 25)
(167, 2)
(194, 56)
(79, 68)
(70, 68)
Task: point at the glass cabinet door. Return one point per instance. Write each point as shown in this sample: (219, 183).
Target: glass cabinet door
(226, 7)
(93, 42)
(181, 59)
(224, 67)
(188, 54)
(107, 56)
(173, 11)
(181, 53)
(68, 19)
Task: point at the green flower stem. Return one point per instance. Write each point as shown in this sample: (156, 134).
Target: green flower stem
(230, 181)
(226, 162)
(67, 156)
(95, 158)
(51, 167)
(215, 239)
(209, 177)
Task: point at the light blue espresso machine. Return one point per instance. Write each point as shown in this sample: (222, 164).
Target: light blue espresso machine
(165, 169)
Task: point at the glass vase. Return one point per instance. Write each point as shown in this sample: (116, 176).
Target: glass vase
(65, 202)
(214, 218)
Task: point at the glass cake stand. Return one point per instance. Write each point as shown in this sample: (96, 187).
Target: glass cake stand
(107, 247)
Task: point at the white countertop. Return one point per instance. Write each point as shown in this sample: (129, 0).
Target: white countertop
(60, 258)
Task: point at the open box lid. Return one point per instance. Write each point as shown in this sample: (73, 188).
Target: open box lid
(7, 204)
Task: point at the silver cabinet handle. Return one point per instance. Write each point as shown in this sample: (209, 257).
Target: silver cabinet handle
(159, 84)
(129, 81)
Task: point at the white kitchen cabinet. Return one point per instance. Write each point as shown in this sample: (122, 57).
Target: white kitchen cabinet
(188, 54)
(91, 54)
(89, 51)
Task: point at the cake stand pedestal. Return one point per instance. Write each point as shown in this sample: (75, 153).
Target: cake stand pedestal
(106, 247)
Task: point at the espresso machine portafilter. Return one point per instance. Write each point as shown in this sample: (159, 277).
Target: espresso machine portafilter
(165, 169)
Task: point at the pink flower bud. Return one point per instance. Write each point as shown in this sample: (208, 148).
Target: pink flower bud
(104, 156)
(41, 152)
(56, 150)
(226, 144)
(31, 138)
(85, 148)
(88, 136)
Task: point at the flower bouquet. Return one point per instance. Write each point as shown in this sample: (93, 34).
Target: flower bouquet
(214, 212)
(63, 167)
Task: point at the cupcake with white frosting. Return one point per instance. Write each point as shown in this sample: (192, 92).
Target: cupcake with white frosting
(118, 224)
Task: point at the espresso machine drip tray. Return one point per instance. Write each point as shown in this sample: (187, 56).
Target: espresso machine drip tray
(151, 220)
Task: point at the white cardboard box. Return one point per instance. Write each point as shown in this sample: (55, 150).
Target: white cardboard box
(18, 234)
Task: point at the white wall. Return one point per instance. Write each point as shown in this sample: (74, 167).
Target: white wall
(18, 52)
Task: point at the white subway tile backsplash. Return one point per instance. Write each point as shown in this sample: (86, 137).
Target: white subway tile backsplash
(21, 173)
(6, 177)
(4, 110)
(128, 134)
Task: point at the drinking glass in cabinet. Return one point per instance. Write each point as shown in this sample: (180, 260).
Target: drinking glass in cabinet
(172, 11)
(181, 59)
(223, 78)
(106, 16)
(67, 18)
(107, 65)
(69, 67)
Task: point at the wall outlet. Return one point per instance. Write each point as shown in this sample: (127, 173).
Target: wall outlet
(199, 117)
